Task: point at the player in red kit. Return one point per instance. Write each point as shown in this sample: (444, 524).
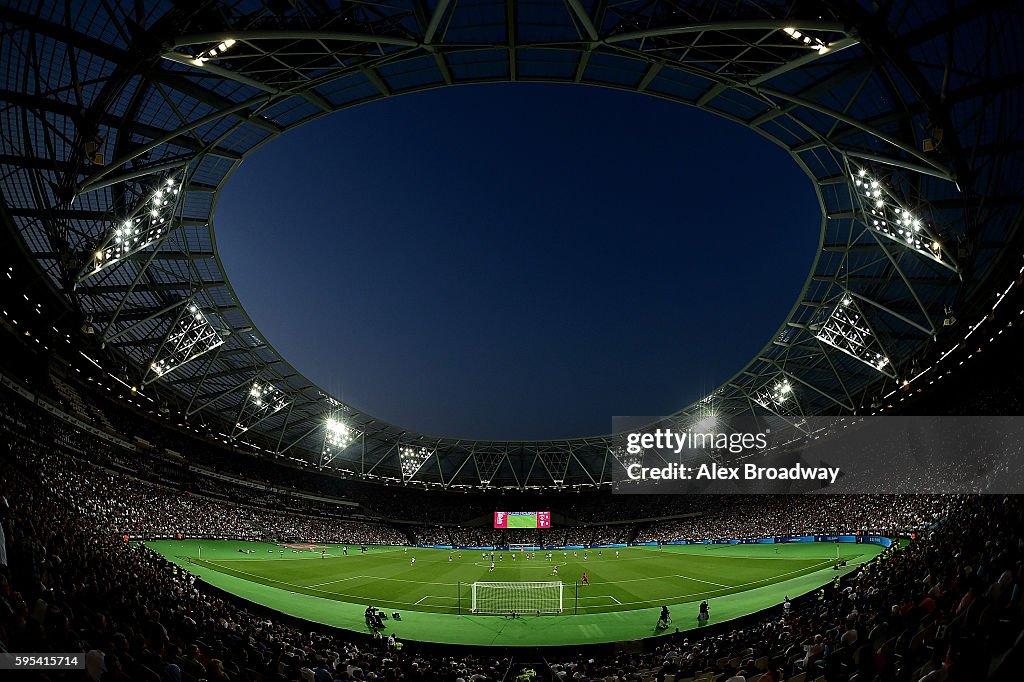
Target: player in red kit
(585, 579)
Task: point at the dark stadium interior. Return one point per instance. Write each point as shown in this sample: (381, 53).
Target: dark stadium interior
(73, 584)
(98, 454)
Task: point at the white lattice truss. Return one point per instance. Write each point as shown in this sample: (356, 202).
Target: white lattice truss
(412, 459)
(778, 397)
(847, 330)
(262, 401)
(191, 336)
(149, 222)
(884, 214)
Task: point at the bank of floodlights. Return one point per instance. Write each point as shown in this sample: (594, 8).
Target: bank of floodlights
(213, 53)
(147, 223)
(338, 435)
(190, 336)
(884, 214)
(846, 329)
(625, 457)
(412, 458)
(810, 42)
(262, 401)
(778, 396)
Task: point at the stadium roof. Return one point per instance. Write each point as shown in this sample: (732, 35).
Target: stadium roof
(121, 121)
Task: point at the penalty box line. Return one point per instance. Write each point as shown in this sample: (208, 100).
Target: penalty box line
(692, 597)
(434, 596)
(333, 595)
(599, 596)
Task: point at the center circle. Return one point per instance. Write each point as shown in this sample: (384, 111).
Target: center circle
(518, 261)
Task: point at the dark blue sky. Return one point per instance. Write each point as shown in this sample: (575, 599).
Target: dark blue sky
(518, 261)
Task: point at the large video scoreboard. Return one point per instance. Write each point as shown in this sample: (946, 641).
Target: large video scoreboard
(538, 519)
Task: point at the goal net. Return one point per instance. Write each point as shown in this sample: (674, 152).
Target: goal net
(522, 598)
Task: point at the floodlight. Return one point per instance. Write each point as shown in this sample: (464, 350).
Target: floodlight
(706, 423)
(625, 457)
(779, 397)
(149, 222)
(412, 458)
(882, 213)
(846, 329)
(214, 52)
(804, 40)
(337, 434)
(262, 400)
(191, 335)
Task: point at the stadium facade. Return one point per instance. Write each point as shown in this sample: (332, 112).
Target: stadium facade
(122, 121)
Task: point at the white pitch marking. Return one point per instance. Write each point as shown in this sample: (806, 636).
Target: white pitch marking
(706, 582)
(434, 596)
(331, 582)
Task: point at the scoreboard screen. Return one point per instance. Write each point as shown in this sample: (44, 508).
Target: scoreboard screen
(540, 519)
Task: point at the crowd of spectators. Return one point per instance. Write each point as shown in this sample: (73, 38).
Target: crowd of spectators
(741, 516)
(602, 534)
(942, 609)
(121, 505)
(176, 498)
(70, 585)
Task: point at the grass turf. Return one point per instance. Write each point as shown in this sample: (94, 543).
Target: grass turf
(621, 603)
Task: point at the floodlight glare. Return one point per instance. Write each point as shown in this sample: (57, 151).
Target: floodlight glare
(338, 435)
(804, 40)
(625, 457)
(262, 401)
(212, 52)
(882, 213)
(706, 423)
(778, 397)
(412, 459)
(190, 336)
(148, 223)
(846, 329)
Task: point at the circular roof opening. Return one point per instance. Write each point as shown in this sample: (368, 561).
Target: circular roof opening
(520, 261)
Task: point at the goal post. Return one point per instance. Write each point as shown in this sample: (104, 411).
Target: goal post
(504, 598)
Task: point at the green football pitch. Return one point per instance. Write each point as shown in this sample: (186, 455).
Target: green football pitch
(433, 595)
